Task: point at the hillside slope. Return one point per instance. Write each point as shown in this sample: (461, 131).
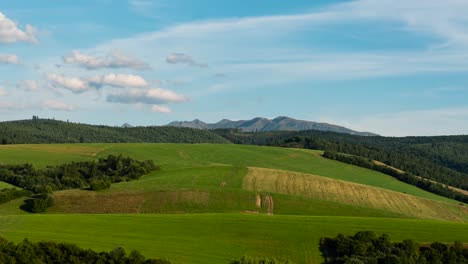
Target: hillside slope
(211, 203)
(51, 131)
(442, 159)
(280, 123)
(209, 178)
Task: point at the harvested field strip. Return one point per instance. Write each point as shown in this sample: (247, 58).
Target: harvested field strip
(164, 201)
(322, 188)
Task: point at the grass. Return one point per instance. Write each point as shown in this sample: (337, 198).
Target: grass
(50, 154)
(313, 197)
(217, 238)
(177, 156)
(326, 189)
(198, 178)
(4, 185)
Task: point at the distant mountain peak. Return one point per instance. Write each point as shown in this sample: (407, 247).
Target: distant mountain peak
(265, 124)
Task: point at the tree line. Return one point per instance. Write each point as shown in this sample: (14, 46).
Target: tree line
(366, 247)
(27, 252)
(409, 178)
(45, 131)
(92, 175)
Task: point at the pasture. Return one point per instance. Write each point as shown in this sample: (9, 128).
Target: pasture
(212, 203)
(217, 238)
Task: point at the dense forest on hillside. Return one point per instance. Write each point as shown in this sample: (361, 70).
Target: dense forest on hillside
(37, 131)
(443, 159)
(421, 183)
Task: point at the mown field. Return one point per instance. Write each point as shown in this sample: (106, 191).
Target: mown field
(210, 203)
(217, 238)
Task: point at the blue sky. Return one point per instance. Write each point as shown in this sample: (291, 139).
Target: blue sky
(396, 68)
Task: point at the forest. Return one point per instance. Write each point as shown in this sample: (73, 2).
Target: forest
(366, 247)
(424, 184)
(92, 175)
(44, 131)
(87, 174)
(443, 159)
(27, 252)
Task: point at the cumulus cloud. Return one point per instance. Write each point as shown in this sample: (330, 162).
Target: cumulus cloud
(80, 85)
(28, 85)
(56, 105)
(181, 58)
(73, 84)
(118, 80)
(10, 32)
(161, 109)
(9, 59)
(146, 96)
(113, 60)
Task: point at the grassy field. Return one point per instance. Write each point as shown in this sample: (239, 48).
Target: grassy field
(217, 238)
(322, 188)
(179, 156)
(234, 186)
(4, 185)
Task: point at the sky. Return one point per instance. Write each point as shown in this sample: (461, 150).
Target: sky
(392, 67)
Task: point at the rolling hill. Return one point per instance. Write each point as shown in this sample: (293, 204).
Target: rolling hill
(39, 131)
(211, 203)
(280, 123)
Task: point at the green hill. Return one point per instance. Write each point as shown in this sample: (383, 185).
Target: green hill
(39, 131)
(442, 159)
(211, 203)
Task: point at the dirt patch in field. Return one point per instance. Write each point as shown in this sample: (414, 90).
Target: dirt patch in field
(269, 204)
(258, 201)
(376, 162)
(322, 188)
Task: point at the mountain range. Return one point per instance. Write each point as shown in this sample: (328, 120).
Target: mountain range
(265, 124)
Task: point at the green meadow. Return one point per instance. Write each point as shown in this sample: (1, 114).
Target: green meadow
(217, 238)
(211, 203)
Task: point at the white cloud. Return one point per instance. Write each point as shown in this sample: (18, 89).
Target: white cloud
(83, 84)
(146, 96)
(28, 85)
(10, 32)
(181, 58)
(113, 60)
(118, 80)
(56, 105)
(161, 109)
(9, 59)
(260, 46)
(73, 84)
(429, 122)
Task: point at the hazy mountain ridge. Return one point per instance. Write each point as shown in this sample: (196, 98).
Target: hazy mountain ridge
(265, 124)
